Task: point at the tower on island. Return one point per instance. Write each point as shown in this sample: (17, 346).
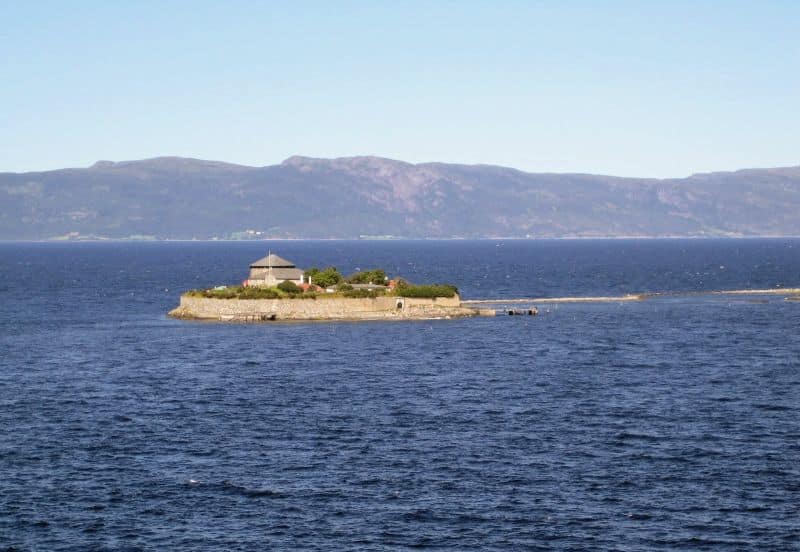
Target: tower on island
(272, 270)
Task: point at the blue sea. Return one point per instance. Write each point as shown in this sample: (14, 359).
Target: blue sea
(666, 424)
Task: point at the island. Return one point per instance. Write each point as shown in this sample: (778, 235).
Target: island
(276, 289)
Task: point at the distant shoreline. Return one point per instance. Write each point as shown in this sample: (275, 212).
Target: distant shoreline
(481, 239)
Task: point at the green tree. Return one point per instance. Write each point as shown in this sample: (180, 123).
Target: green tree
(375, 276)
(326, 277)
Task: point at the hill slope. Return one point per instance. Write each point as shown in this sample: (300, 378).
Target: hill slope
(172, 197)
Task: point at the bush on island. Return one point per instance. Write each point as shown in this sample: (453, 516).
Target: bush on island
(325, 278)
(256, 292)
(289, 287)
(436, 290)
(376, 276)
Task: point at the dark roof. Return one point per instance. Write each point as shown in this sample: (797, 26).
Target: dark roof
(272, 260)
(283, 274)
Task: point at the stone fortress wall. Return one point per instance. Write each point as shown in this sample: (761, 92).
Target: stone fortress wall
(321, 308)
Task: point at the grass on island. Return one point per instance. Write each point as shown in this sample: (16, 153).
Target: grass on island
(291, 291)
(435, 290)
(330, 277)
(241, 292)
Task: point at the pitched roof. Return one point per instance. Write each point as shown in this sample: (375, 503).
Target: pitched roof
(272, 260)
(281, 274)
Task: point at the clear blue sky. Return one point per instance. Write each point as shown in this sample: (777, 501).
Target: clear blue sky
(629, 88)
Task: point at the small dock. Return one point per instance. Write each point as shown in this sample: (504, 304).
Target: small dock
(532, 311)
(529, 311)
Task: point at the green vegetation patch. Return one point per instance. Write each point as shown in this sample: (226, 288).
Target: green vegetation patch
(290, 287)
(236, 292)
(436, 290)
(325, 278)
(241, 292)
(375, 276)
(254, 292)
(363, 293)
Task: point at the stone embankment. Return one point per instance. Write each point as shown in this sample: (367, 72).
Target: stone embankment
(321, 308)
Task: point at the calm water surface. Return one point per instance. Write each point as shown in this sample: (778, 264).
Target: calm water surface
(668, 424)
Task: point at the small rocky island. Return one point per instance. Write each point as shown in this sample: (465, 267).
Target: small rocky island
(276, 289)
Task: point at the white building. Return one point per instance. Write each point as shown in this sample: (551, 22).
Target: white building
(272, 270)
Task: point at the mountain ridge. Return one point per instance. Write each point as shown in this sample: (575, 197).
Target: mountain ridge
(306, 197)
(294, 159)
